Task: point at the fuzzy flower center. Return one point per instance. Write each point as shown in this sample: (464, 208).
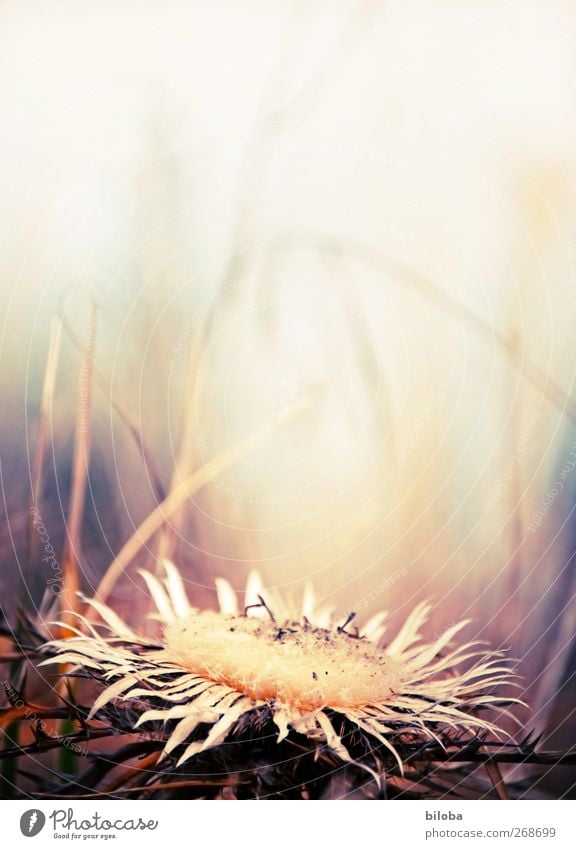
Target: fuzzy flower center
(299, 665)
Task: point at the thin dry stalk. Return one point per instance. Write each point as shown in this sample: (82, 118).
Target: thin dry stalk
(192, 484)
(187, 457)
(82, 444)
(99, 381)
(495, 775)
(411, 278)
(45, 418)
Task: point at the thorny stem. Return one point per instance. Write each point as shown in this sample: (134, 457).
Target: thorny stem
(45, 745)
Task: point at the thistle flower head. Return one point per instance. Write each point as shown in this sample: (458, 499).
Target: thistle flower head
(209, 672)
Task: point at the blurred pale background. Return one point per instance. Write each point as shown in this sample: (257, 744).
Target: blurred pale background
(373, 198)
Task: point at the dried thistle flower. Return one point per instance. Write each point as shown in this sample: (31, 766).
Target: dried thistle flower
(211, 672)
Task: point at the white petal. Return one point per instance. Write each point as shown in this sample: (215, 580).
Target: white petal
(183, 730)
(308, 601)
(226, 597)
(163, 715)
(119, 627)
(281, 718)
(374, 628)
(176, 590)
(332, 739)
(220, 731)
(76, 659)
(159, 595)
(111, 693)
(429, 652)
(189, 752)
(410, 631)
(304, 724)
(254, 588)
